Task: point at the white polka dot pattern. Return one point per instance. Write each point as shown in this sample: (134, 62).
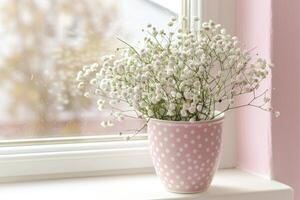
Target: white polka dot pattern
(185, 155)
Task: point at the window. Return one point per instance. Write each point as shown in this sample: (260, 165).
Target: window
(46, 44)
(44, 122)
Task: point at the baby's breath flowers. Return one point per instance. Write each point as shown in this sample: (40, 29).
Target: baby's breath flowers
(177, 75)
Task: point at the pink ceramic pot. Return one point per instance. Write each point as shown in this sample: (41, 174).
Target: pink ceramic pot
(185, 154)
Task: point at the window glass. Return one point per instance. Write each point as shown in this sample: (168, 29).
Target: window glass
(43, 46)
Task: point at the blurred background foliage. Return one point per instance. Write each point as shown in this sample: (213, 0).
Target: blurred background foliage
(45, 43)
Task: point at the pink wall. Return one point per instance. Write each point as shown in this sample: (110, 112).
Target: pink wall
(286, 97)
(274, 27)
(253, 27)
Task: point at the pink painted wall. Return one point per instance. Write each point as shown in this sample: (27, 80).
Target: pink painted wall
(274, 27)
(286, 97)
(253, 27)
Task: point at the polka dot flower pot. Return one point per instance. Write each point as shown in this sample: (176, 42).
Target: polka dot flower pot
(185, 154)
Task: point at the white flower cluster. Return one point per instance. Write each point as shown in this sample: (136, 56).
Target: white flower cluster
(178, 75)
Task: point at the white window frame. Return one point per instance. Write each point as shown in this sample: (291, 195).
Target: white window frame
(101, 155)
(63, 157)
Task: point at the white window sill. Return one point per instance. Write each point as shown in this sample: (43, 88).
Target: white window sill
(228, 185)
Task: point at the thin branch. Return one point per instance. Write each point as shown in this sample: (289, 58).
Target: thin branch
(131, 47)
(137, 131)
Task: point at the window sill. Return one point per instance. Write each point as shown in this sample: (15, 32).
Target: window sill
(228, 185)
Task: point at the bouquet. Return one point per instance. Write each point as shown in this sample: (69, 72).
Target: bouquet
(177, 75)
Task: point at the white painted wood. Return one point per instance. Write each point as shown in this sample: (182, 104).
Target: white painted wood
(56, 159)
(227, 185)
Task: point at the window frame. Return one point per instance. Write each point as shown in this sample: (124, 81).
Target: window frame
(93, 155)
(53, 158)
